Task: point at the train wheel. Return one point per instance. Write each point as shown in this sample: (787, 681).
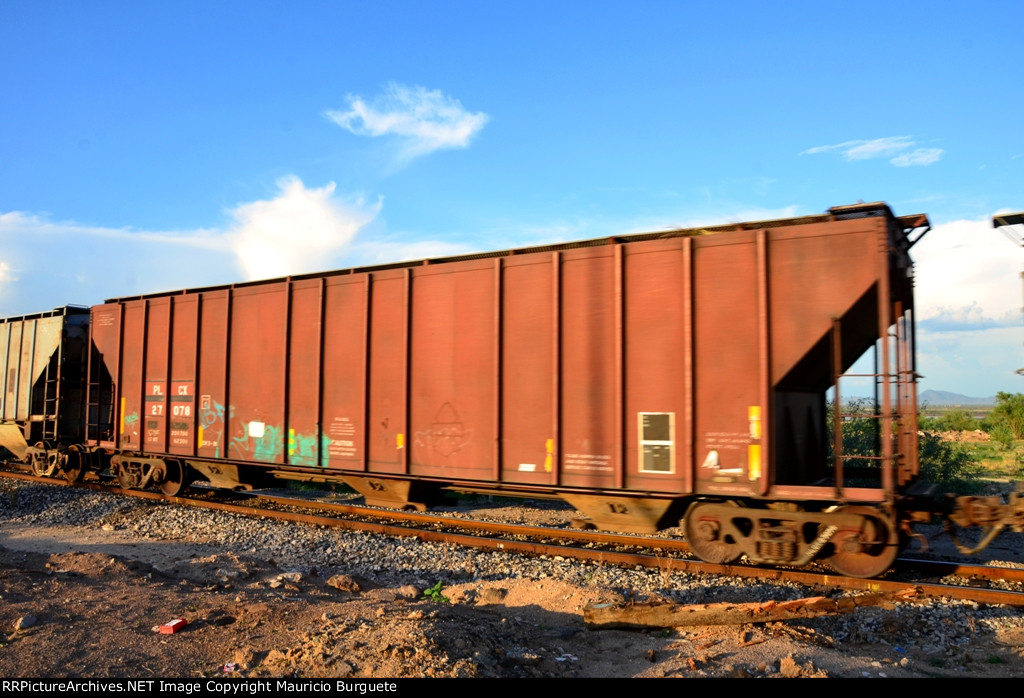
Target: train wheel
(124, 478)
(74, 465)
(42, 466)
(706, 538)
(867, 551)
(174, 483)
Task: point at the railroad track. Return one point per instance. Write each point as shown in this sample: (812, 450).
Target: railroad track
(962, 581)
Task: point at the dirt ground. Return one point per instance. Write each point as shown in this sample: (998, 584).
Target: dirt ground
(82, 604)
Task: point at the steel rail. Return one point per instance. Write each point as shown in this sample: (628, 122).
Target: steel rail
(599, 556)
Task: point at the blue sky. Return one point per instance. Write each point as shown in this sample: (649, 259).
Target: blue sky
(153, 146)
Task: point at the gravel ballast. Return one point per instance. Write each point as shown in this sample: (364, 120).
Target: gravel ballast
(505, 615)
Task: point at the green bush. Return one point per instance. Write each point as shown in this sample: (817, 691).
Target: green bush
(952, 466)
(1005, 423)
(957, 420)
(860, 433)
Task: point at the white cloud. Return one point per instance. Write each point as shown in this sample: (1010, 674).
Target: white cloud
(967, 318)
(967, 276)
(6, 276)
(300, 230)
(56, 263)
(16, 223)
(976, 364)
(865, 150)
(47, 264)
(423, 120)
(919, 156)
(896, 148)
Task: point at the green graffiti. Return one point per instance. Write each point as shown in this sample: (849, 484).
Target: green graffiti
(263, 448)
(303, 449)
(129, 428)
(268, 446)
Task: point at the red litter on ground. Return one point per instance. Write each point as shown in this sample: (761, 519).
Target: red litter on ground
(173, 626)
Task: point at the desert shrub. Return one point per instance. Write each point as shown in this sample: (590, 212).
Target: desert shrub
(952, 466)
(957, 420)
(1005, 423)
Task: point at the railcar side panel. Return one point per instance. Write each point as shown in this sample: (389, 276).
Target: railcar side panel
(24, 373)
(7, 376)
(130, 382)
(212, 374)
(44, 337)
(529, 372)
(389, 351)
(807, 289)
(344, 372)
(256, 381)
(184, 346)
(452, 374)
(727, 335)
(157, 333)
(302, 436)
(658, 443)
(104, 421)
(590, 426)
(808, 299)
(14, 386)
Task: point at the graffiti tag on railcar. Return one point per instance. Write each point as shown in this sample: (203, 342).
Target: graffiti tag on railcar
(446, 436)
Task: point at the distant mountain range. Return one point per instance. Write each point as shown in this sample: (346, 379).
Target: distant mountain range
(936, 398)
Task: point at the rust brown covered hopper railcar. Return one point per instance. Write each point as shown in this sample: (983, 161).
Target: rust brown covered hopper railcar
(636, 377)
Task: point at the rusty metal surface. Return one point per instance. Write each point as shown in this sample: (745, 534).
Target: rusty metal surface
(181, 388)
(658, 386)
(257, 361)
(344, 365)
(727, 457)
(385, 427)
(689, 361)
(452, 393)
(969, 571)
(989, 511)
(991, 515)
(529, 370)
(212, 373)
(588, 430)
(305, 365)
